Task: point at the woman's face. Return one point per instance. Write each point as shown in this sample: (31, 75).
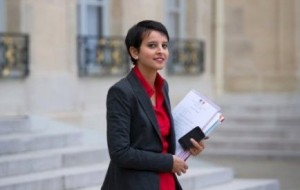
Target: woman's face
(153, 53)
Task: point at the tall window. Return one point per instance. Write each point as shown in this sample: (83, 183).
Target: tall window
(98, 53)
(2, 15)
(186, 55)
(175, 18)
(92, 17)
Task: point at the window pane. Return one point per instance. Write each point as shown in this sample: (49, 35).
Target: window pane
(79, 24)
(90, 17)
(91, 20)
(100, 21)
(2, 12)
(174, 25)
(174, 4)
(177, 3)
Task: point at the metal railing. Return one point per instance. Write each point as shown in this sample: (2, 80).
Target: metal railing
(186, 57)
(102, 56)
(107, 56)
(14, 55)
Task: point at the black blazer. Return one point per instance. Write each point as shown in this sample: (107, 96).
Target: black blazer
(134, 139)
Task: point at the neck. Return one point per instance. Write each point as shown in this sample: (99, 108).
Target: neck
(149, 75)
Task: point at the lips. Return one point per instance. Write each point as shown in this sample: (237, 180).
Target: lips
(159, 59)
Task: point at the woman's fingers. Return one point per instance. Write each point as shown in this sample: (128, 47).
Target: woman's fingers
(198, 147)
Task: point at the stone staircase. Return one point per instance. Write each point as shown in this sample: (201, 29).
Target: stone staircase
(37, 153)
(258, 126)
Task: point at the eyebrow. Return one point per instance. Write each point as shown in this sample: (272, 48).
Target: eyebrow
(157, 42)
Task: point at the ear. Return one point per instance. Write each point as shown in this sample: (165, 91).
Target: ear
(134, 53)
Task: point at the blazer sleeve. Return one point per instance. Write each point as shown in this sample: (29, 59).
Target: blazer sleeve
(118, 116)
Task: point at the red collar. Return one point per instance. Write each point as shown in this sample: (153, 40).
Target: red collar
(159, 81)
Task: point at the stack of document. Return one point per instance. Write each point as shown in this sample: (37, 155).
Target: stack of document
(195, 110)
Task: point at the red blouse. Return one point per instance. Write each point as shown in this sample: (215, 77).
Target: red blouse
(167, 181)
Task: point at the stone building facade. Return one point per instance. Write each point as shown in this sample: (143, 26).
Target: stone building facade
(249, 47)
(261, 46)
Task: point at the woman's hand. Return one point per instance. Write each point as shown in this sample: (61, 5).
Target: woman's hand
(198, 147)
(179, 165)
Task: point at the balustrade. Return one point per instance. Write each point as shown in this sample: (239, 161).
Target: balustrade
(14, 55)
(108, 56)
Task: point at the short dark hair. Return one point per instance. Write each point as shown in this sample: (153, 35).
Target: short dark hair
(136, 33)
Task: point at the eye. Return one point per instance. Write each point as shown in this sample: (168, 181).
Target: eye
(165, 46)
(152, 45)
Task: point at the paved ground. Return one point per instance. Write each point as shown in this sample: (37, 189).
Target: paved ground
(287, 171)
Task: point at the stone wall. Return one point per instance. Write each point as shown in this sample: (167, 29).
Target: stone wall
(51, 85)
(260, 46)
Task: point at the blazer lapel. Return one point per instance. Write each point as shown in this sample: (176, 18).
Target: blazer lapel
(167, 101)
(144, 100)
(169, 111)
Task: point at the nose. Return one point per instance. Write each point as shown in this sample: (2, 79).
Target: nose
(159, 49)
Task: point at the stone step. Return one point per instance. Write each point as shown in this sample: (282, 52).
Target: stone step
(291, 123)
(255, 131)
(254, 143)
(61, 179)
(196, 178)
(38, 161)
(264, 106)
(16, 143)
(91, 188)
(254, 100)
(278, 105)
(247, 184)
(244, 153)
(262, 113)
(194, 181)
(14, 124)
(89, 177)
(253, 147)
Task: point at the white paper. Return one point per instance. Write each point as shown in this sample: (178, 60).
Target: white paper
(215, 121)
(194, 110)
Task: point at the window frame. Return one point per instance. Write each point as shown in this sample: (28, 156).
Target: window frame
(82, 16)
(2, 15)
(180, 11)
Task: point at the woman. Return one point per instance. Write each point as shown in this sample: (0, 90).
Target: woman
(140, 128)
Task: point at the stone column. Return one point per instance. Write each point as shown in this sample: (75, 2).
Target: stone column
(219, 46)
(297, 7)
(51, 25)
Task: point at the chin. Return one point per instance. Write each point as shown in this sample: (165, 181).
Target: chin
(160, 66)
